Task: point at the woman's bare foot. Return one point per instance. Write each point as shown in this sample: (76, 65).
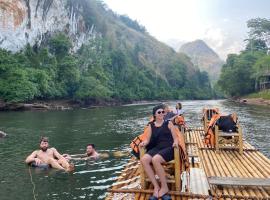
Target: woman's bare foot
(163, 191)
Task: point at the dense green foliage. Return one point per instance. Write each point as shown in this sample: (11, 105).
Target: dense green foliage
(132, 24)
(241, 72)
(94, 73)
(117, 64)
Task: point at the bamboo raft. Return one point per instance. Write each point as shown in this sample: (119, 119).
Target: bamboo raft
(224, 175)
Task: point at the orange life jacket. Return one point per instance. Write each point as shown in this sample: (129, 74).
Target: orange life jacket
(137, 140)
(209, 138)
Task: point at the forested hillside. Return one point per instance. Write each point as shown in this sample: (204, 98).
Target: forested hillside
(121, 61)
(242, 73)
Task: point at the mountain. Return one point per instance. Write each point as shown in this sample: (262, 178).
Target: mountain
(80, 49)
(205, 58)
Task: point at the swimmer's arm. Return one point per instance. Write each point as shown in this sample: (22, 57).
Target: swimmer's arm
(31, 157)
(75, 156)
(82, 158)
(78, 155)
(90, 157)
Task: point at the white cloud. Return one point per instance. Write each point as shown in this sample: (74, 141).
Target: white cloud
(216, 36)
(185, 20)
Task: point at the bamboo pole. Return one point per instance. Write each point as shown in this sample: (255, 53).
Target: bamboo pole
(184, 194)
(230, 171)
(241, 160)
(240, 171)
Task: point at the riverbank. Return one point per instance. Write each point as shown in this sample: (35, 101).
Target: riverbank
(56, 105)
(255, 101)
(260, 98)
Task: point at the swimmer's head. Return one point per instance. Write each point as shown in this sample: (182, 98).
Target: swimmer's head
(90, 149)
(44, 143)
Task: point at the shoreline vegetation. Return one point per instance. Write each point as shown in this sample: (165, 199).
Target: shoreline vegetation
(55, 105)
(46, 105)
(66, 104)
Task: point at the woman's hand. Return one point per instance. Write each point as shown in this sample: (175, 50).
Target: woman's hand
(142, 144)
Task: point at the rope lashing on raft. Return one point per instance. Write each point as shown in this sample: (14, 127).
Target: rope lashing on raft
(34, 186)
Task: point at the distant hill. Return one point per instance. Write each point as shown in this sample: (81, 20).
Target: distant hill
(205, 58)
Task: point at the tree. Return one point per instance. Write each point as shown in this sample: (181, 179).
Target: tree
(60, 45)
(17, 87)
(256, 45)
(91, 88)
(236, 75)
(68, 76)
(259, 29)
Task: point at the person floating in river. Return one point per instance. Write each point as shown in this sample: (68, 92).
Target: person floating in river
(46, 156)
(159, 143)
(90, 153)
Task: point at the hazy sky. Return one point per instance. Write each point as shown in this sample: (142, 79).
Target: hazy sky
(221, 23)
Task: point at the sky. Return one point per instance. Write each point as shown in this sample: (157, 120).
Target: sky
(220, 23)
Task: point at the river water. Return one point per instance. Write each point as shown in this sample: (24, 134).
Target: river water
(111, 129)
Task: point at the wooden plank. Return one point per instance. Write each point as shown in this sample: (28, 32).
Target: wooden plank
(234, 181)
(177, 169)
(227, 134)
(176, 193)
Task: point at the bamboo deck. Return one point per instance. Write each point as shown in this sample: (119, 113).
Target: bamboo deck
(205, 164)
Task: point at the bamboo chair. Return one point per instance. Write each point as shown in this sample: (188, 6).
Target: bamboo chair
(231, 140)
(207, 115)
(175, 165)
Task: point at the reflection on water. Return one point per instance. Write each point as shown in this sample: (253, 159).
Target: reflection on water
(111, 129)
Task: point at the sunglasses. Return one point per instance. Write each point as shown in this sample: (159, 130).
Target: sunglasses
(159, 112)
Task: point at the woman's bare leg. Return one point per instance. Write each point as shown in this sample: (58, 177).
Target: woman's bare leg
(157, 160)
(146, 161)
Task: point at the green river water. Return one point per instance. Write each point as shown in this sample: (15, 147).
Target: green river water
(111, 129)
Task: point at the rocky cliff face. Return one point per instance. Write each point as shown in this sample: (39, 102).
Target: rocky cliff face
(204, 58)
(31, 21)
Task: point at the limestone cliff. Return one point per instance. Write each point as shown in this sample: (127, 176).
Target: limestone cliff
(30, 21)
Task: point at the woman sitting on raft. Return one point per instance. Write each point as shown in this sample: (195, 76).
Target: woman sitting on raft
(161, 138)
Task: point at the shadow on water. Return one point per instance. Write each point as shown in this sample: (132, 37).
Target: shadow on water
(111, 129)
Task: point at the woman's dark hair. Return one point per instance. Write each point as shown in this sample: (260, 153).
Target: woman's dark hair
(159, 106)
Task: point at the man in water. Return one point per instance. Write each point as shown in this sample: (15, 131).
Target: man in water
(49, 156)
(90, 153)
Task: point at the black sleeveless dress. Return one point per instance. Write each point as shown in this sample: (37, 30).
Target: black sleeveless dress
(161, 142)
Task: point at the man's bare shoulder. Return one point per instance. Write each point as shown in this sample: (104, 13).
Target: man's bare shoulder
(35, 152)
(53, 149)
